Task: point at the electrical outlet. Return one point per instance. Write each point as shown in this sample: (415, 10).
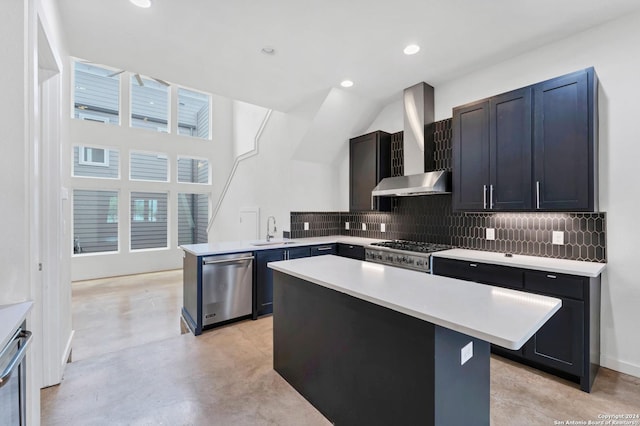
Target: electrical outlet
(557, 237)
(364, 226)
(491, 233)
(383, 227)
(346, 226)
(306, 226)
(466, 353)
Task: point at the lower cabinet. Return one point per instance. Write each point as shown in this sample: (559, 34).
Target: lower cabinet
(569, 342)
(350, 250)
(324, 249)
(263, 289)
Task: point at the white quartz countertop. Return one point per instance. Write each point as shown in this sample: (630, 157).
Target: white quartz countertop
(504, 317)
(208, 249)
(561, 266)
(11, 316)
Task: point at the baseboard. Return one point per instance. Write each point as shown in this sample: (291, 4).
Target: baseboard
(621, 366)
(67, 351)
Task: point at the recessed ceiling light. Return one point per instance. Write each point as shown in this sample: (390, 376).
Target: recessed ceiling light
(411, 49)
(268, 50)
(346, 83)
(141, 3)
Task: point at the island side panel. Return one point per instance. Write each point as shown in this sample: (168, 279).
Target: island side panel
(360, 363)
(191, 293)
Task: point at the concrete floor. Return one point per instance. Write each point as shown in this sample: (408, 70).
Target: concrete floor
(127, 372)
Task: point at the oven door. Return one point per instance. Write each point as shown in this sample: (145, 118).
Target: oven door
(13, 380)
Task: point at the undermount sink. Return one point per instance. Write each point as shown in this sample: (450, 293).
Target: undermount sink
(271, 243)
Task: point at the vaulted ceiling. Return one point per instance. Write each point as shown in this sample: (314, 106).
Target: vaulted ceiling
(215, 45)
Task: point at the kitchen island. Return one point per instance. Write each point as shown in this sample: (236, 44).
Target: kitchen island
(372, 344)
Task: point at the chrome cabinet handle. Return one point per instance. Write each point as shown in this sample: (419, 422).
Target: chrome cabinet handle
(552, 276)
(473, 265)
(537, 194)
(17, 358)
(484, 197)
(491, 197)
(323, 248)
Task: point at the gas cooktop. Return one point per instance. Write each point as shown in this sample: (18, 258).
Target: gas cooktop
(414, 246)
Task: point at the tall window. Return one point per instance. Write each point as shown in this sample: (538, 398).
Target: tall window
(96, 162)
(193, 170)
(149, 166)
(149, 104)
(95, 221)
(193, 218)
(193, 113)
(96, 93)
(148, 220)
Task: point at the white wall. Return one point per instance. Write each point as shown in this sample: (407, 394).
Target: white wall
(612, 50)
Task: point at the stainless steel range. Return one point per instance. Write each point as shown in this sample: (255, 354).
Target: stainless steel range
(403, 254)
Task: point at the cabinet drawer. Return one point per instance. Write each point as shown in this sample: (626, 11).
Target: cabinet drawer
(554, 284)
(350, 250)
(503, 276)
(324, 249)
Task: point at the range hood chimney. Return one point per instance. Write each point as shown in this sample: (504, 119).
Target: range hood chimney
(419, 177)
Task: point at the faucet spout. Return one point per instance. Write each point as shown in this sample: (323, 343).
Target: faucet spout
(269, 235)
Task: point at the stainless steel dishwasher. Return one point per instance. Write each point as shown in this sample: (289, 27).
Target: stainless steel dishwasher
(227, 282)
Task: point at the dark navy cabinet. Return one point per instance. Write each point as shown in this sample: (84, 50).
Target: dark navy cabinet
(263, 291)
(351, 251)
(530, 149)
(565, 142)
(569, 342)
(324, 249)
(369, 163)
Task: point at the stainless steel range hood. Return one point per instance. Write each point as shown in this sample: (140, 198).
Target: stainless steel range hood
(438, 182)
(418, 118)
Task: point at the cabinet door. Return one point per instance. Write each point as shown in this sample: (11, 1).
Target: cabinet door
(324, 249)
(564, 144)
(298, 252)
(560, 342)
(483, 273)
(369, 163)
(351, 251)
(471, 156)
(510, 150)
(263, 303)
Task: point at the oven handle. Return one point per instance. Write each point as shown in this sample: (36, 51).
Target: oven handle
(17, 358)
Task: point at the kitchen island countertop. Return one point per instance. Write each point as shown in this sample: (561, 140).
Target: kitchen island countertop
(504, 317)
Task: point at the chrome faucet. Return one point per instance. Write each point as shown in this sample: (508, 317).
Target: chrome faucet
(269, 236)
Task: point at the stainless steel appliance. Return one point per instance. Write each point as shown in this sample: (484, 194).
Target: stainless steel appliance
(13, 380)
(404, 254)
(227, 284)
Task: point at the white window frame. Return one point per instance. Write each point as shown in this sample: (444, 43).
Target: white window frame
(90, 162)
(210, 96)
(193, 157)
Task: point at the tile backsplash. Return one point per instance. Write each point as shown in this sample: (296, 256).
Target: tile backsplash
(431, 219)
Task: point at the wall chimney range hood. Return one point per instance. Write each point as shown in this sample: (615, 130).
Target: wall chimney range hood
(418, 150)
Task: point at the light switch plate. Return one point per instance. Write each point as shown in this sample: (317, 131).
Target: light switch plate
(306, 226)
(557, 237)
(383, 227)
(364, 226)
(491, 233)
(346, 225)
(466, 353)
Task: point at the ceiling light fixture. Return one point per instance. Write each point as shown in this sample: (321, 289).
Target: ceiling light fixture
(346, 83)
(411, 49)
(142, 3)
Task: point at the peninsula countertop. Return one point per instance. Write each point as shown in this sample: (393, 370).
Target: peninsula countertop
(504, 317)
(225, 247)
(11, 316)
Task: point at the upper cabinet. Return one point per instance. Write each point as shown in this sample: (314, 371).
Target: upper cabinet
(369, 163)
(565, 143)
(532, 149)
